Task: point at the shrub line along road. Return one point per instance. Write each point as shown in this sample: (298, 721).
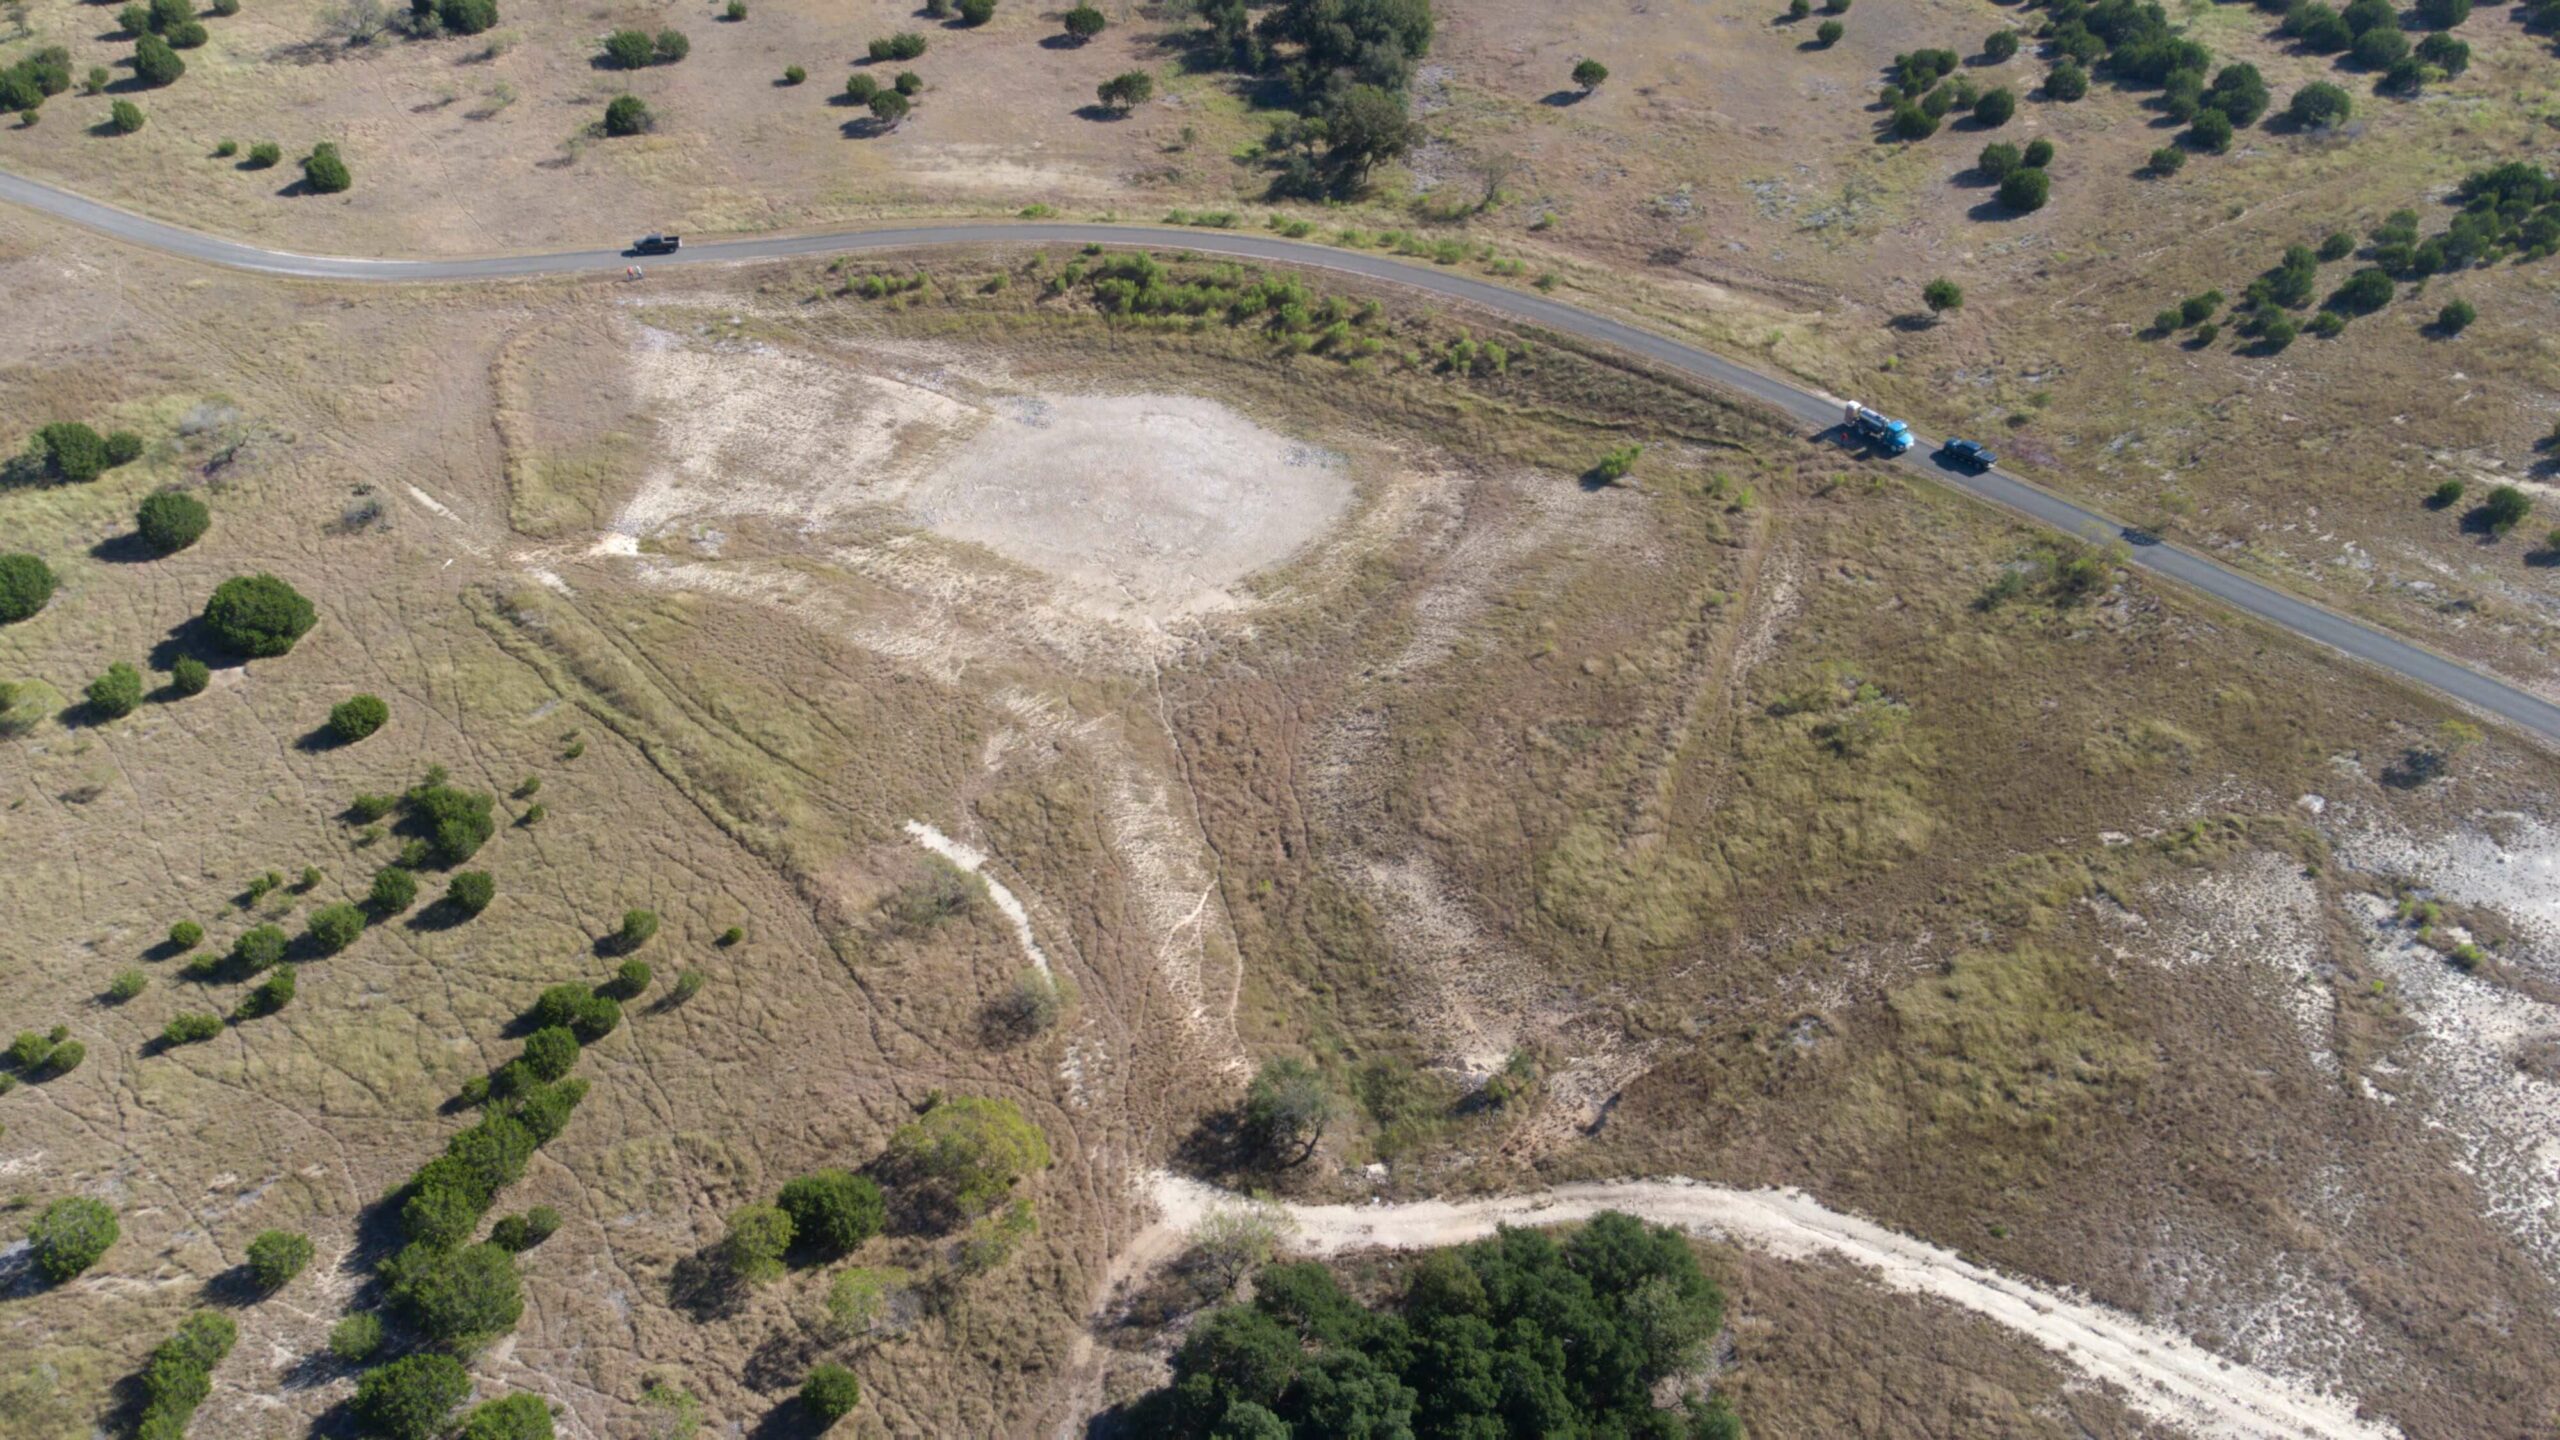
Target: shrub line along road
(2311, 622)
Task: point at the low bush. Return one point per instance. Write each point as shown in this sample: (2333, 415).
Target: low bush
(688, 984)
(833, 1211)
(631, 979)
(637, 928)
(588, 1015)
(759, 1236)
(128, 983)
(905, 45)
(155, 64)
(190, 1028)
(521, 1232)
(908, 83)
(2066, 82)
(258, 615)
(393, 891)
(171, 520)
(186, 935)
(793, 74)
(2025, 189)
(630, 49)
(2319, 104)
(1617, 464)
(859, 89)
(335, 927)
(670, 47)
(471, 892)
(412, 1398)
(325, 170)
(64, 1059)
(70, 1236)
(454, 823)
(257, 948)
(977, 12)
(124, 117)
(627, 115)
(355, 1339)
(269, 995)
(831, 1391)
(1083, 22)
(276, 1256)
(115, 694)
(2000, 45)
(2505, 509)
(190, 676)
(2038, 154)
(1828, 33)
(265, 155)
(357, 717)
(2456, 317)
(519, 1416)
(26, 586)
(1995, 107)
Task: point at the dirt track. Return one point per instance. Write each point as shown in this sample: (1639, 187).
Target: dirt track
(2162, 1374)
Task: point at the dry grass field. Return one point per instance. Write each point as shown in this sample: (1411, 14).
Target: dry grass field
(1754, 817)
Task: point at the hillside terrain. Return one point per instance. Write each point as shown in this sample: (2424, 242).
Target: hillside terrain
(865, 846)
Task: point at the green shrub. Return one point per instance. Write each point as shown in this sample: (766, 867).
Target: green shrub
(128, 983)
(588, 1015)
(544, 1110)
(631, 979)
(735, 10)
(70, 1236)
(2168, 160)
(1828, 33)
(441, 1209)
(860, 89)
(1589, 75)
(356, 1338)
(630, 49)
(455, 822)
(2211, 132)
(357, 717)
(335, 927)
(492, 1154)
(637, 928)
(471, 892)
(155, 65)
(551, 1052)
(2000, 45)
(521, 1416)
(670, 47)
(26, 585)
(2066, 82)
(186, 935)
(30, 1049)
(64, 1059)
(909, 84)
(1995, 107)
(1942, 295)
(2024, 189)
(71, 453)
(2456, 317)
(190, 676)
(412, 1398)
(116, 693)
(460, 1297)
(1083, 23)
(2505, 509)
(968, 1152)
(124, 117)
(2038, 154)
(735, 934)
(905, 45)
(171, 520)
(2319, 104)
(257, 948)
(758, 1237)
(325, 170)
(889, 107)
(793, 74)
(265, 155)
(367, 808)
(522, 1232)
(627, 115)
(123, 447)
(1911, 122)
(688, 984)
(270, 995)
(831, 1391)
(465, 17)
(394, 890)
(179, 1374)
(977, 12)
(258, 615)
(833, 1211)
(2365, 291)
(276, 1256)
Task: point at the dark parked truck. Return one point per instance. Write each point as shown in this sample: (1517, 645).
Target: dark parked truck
(657, 244)
(1971, 454)
(1886, 434)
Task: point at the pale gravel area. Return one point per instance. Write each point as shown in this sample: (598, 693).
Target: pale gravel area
(2160, 1373)
(2265, 918)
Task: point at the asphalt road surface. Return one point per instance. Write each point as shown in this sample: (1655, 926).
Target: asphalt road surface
(1816, 411)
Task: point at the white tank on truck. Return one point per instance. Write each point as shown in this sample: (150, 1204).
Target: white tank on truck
(1883, 432)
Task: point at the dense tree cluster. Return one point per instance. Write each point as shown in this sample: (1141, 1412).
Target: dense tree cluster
(1346, 64)
(1516, 1335)
(451, 823)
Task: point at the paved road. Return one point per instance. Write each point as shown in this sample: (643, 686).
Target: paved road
(2323, 627)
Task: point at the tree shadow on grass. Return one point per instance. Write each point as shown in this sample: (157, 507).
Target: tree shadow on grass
(703, 1287)
(790, 1420)
(128, 548)
(1561, 99)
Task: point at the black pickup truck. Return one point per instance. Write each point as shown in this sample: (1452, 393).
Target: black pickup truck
(656, 244)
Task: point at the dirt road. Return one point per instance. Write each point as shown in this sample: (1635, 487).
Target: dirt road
(2164, 1375)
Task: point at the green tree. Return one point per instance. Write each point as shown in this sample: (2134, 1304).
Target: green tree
(638, 926)
(412, 1398)
(977, 12)
(860, 89)
(71, 453)
(670, 47)
(441, 1209)
(2456, 317)
(26, 584)
(1994, 107)
(511, 1417)
(1588, 74)
(2066, 82)
(831, 1391)
(629, 49)
(2211, 132)
(155, 64)
(1083, 23)
(545, 1109)
(325, 170)
(115, 693)
(70, 1236)
(171, 520)
(1828, 33)
(833, 1211)
(2240, 93)
(889, 107)
(190, 676)
(2038, 154)
(393, 891)
(356, 717)
(968, 1152)
(1999, 46)
(1942, 295)
(758, 1237)
(909, 84)
(2364, 292)
(2505, 509)
(124, 117)
(471, 892)
(2025, 189)
(2168, 160)
(258, 615)
(460, 1297)
(551, 1052)
(276, 1256)
(1287, 1108)
(467, 17)
(257, 948)
(335, 927)
(1127, 90)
